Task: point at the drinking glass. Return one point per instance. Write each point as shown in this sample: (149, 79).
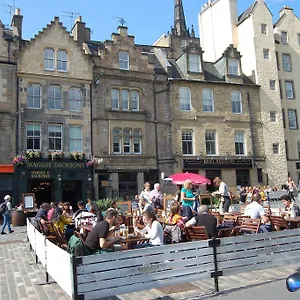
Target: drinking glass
(126, 232)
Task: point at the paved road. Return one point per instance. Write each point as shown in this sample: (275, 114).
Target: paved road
(20, 279)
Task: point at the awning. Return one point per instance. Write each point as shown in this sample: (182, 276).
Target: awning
(6, 169)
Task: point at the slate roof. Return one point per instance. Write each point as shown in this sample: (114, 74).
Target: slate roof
(246, 13)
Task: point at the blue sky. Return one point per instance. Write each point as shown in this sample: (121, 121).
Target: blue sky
(146, 19)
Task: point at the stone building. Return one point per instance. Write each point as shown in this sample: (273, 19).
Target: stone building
(9, 42)
(130, 116)
(252, 34)
(54, 78)
(287, 47)
(215, 109)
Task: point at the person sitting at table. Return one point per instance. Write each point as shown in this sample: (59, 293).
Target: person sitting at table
(67, 210)
(174, 225)
(255, 210)
(114, 204)
(187, 199)
(88, 205)
(144, 206)
(94, 209)
(156, 197)
(153, 230)
(41, 215)
(205, 219)
(291, 209)
(51, 210)
(59, 220)
(82, 214)
(98, 238)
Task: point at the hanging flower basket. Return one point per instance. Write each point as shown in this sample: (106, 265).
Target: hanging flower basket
(19, 160)
(33, 155)
(94, 162)
(55, 155)
(76, 155)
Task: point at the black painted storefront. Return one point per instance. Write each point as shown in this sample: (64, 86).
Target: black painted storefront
(61, 180)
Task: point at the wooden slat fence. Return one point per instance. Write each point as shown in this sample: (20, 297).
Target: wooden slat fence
(258, 251)
(31, 234)
(124, 272)
(59, 267)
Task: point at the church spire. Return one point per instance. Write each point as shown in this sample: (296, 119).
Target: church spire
(179, 20)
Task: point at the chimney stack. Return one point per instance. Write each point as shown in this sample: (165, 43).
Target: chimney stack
(81, 33)
(286, 10)
(17, 24)
(123, 31)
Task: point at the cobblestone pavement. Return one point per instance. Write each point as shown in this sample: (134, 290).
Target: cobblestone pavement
(21, 279)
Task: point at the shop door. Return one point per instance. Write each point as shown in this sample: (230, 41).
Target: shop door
(71, 193)
(42, 189)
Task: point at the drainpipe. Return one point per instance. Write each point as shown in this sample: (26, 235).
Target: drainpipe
(155, 121)
(251, 129)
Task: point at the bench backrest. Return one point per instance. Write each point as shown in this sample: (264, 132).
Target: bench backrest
(278, 223)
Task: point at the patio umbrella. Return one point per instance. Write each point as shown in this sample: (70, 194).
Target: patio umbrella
(180, 178)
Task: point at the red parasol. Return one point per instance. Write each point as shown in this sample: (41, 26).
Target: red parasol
(180, 178)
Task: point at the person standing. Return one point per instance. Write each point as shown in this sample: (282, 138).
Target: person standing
(291, 185)
(7, 214)
(146, 192)
(156, 197)
(188, 199)
(223, 192)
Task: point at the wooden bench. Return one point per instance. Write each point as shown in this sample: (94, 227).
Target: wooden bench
(196, 233)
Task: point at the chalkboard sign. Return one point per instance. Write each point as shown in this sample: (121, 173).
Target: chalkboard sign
(168, 200)
(28, 201)
(124, 206)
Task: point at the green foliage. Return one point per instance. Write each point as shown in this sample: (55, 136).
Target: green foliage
(104, 204)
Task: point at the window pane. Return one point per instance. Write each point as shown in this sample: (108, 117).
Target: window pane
(210, 142)
(292, 119)
(49, 59)
(115, 99)
(284, 37)
(236, 102)
(233, 66)
(239, 142)
(289, 90)
(135, 99)
(126, 141)
(54, 97)
(75, 99)
(124, 60)
(137, 141)
(55, 137)
(116, 140)
(125, 99)
(208, 100)
(62, 60)
(187, 142)
(75, 138)
(33, 133)
(185, 99)
(273, 116)
(194, 63)
(286, 62)
(33, 96)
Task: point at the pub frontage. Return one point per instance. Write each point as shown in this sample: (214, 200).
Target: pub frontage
(234, 171)
(53, 181)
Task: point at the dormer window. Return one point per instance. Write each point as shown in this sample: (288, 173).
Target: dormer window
(233, 66)
(194, 63)
(123, 60)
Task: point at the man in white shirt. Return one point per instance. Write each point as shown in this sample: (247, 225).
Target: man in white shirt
(255, 211)
(222, 192)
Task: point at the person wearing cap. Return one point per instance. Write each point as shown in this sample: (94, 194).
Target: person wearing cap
(7, 215)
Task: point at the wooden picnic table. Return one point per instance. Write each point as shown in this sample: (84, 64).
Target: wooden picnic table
(131, 241)
(295, 221)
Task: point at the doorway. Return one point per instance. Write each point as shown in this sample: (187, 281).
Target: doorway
(71, 192)
(42, 189)
(242, 178)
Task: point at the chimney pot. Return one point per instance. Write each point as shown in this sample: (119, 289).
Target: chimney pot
(17, 12)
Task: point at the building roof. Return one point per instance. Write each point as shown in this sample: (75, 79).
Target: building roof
(246, 13)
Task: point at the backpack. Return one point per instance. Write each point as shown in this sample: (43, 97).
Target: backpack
(3, 207)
